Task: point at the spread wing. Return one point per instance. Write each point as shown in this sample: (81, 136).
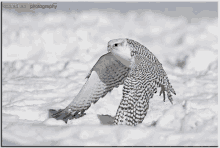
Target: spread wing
(107, 73)
(145, 76)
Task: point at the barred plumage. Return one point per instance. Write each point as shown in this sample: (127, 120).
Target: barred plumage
(129, 63)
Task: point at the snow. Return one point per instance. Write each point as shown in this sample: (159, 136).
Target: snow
(45, 65)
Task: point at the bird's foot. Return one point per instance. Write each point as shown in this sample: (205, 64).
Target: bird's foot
(162, 91)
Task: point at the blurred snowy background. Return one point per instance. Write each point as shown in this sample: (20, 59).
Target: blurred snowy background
(47, 55)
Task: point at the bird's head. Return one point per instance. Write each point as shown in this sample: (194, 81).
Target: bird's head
(121, 50)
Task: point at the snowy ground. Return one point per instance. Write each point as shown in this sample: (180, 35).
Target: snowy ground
(47, 57)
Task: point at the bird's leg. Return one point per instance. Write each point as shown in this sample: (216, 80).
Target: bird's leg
(162, 91)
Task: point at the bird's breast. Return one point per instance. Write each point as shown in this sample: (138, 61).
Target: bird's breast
(123, 57)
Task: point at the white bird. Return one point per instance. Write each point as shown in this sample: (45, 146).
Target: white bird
(131, 64)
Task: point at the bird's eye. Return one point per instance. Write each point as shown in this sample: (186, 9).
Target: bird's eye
(116, 45)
